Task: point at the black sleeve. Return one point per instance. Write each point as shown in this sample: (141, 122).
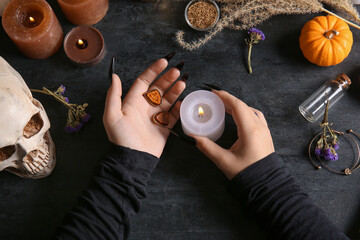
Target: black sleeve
(104, 210)
(285, 210)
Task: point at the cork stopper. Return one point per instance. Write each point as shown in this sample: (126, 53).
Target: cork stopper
(343, 80)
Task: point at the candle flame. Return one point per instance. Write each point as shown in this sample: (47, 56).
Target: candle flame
(32, 19)
(80, 42)
(201, 111)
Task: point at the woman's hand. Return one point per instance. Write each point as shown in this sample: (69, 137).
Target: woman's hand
(254, 138)
(128, 123)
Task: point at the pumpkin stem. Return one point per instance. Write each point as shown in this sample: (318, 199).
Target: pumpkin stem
(330, 34)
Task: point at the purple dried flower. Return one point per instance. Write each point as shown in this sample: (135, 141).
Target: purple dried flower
(86, 118)
(318, 152)
(258, 34)
(334, 157)
(255, 35)
(66, 99)
(61, 89)
(336, 146)
(70, 129)
(327, 153)
(73, 127)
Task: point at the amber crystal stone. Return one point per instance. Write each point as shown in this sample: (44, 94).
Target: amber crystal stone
(161, 118)
(153, 97)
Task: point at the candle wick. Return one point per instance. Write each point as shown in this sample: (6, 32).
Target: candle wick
(81, 43)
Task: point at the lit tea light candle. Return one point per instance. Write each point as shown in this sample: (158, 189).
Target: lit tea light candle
(84, 46)
(202, 113)
(81, 43)
(33, 27)
(84, 12)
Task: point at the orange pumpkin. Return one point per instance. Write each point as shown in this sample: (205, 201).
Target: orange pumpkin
(326, 41)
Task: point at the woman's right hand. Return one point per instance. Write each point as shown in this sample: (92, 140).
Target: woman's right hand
(254, 138)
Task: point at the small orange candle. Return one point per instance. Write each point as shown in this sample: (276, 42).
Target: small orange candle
(84, 12)
(33, 27)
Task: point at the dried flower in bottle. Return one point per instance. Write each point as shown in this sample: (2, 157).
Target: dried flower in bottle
(327, 145)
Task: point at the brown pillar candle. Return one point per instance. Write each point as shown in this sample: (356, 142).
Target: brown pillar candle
(84, 12)
(33, 27)
(84, 46)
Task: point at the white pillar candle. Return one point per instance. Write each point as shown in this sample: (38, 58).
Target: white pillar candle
(202, 113)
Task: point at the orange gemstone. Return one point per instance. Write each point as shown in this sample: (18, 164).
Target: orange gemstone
(153, 97)
(161, 118)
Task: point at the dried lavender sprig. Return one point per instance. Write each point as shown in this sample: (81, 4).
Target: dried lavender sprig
(76, 113)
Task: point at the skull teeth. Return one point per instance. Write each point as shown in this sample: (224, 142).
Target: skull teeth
(27, 166)
(37, 160)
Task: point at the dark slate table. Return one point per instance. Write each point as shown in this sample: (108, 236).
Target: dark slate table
(187, 193)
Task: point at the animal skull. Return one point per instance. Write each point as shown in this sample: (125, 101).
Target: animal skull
(26, 147)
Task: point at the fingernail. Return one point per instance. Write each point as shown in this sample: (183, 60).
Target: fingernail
(180, 66)
(212, 86)
(204, 88)
(169, 56)
(111, 69)
(189, 140)
(184, 137)
(184, 77)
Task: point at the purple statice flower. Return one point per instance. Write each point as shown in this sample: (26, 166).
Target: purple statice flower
(334, 157)
(61, 89)
(86, 118)
(336, 146)
(70, 129)
(66, 99)
(318, 152)
(328, 154)
(73, 127)
(257, 34)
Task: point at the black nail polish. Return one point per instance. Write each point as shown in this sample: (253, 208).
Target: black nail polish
(169, 56)
(204, 88)
(180, 66)
(111, 69)
(189, 140)
(185, 77)
(213, 86)
(183, 137)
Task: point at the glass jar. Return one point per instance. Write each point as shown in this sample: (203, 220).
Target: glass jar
(314, 107)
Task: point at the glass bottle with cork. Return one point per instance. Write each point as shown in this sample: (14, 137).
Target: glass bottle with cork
(314, 107)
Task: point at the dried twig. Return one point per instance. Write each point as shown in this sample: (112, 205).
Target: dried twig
(244, 14)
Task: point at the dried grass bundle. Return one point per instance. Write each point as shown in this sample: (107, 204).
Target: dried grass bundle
(244, 14)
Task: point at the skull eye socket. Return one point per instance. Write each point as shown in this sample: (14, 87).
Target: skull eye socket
(6, 152)
(34, 126)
